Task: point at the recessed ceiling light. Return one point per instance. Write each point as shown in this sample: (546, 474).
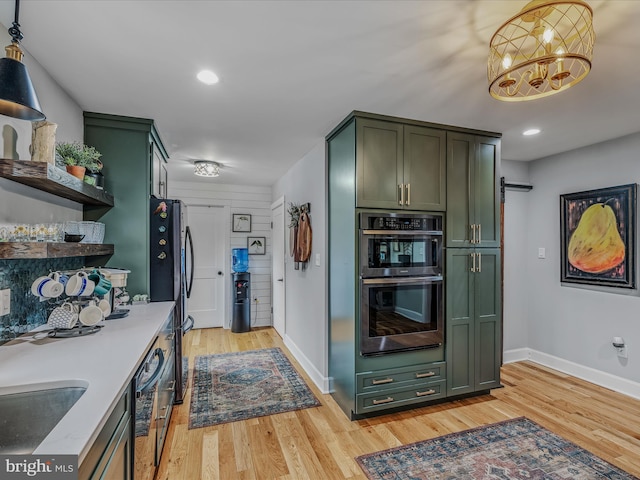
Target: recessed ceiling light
(531, 131)
(208, 77)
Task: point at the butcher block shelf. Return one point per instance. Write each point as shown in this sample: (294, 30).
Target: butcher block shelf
(13, 250)
(49, 178)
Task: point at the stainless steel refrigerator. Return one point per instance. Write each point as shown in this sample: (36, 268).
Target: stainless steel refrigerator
(171, 270)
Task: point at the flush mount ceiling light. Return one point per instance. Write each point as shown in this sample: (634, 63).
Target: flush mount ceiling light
(531, 131)
(208, 77)
(544, 49)
(17, 96)
(206, 168)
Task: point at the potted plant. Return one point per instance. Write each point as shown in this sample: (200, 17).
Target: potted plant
(93, 175)
(77, 158)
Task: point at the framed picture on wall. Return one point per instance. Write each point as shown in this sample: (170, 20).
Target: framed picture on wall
(597, 229)
(257, 245)
(241, 222)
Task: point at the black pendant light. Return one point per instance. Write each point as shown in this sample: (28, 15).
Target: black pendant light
(18, 98)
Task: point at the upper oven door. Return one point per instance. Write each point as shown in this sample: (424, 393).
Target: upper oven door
(385, 253)
(400, 314)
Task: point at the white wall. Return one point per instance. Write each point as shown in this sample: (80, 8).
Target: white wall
(255, 201)
(25, 204)
(516, 289)
(576, 325)
(306, 292)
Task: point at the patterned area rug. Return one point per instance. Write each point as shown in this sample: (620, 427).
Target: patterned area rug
(516, 449)
(240, 385)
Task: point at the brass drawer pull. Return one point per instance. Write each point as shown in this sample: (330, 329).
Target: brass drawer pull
(380, 382)
(424, 394)
(425, 375)
(385, 400)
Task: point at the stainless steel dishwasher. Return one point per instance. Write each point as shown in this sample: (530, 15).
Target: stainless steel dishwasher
(145, 413)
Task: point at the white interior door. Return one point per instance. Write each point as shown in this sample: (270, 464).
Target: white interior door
(207, 302)
(277, 268)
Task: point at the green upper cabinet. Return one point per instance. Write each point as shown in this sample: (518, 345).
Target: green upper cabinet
(129, 148)
(473, 320)
(473, 202)
(159, 176)
(400, 166)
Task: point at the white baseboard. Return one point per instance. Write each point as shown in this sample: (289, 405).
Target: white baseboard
(321, 381)
(603, 379)
(515, 355)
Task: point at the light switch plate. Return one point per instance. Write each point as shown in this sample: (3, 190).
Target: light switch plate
(317, 259)
(542, 252)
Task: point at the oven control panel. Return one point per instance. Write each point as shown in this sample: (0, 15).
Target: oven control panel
(400, 222)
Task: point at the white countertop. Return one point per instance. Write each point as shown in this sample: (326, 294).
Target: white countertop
(104, 363)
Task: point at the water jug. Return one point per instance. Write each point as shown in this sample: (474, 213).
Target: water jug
(240, 257)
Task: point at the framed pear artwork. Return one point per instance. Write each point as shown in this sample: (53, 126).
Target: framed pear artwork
(597, 230)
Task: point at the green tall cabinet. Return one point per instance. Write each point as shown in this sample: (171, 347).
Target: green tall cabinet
(132, 153)
(473, 264)
(381, 163)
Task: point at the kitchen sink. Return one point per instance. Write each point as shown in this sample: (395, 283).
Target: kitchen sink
(29, 413)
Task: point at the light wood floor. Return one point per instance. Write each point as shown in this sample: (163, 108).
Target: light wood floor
(321, 443)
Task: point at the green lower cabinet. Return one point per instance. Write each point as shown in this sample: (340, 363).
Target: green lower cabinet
(396, 387)
(473, 320)
(110, 457)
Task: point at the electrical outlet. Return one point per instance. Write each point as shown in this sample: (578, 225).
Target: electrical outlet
(5, 302)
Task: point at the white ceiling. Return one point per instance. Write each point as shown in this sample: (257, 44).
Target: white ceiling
(291, 70)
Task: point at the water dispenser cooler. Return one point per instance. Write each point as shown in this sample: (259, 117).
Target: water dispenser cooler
(241, 317)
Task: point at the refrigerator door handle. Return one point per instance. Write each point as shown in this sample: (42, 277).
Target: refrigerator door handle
(189, 240)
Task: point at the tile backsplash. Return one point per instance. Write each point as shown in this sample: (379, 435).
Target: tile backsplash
(27, 312)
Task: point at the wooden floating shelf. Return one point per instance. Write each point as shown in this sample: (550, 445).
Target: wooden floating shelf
(49, 178)
(16, 250)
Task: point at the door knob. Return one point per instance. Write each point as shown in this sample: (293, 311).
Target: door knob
(281, 279)
(220, 273)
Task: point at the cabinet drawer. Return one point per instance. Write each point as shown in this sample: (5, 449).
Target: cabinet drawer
(391, 398)
(120, 415)
(399, 377)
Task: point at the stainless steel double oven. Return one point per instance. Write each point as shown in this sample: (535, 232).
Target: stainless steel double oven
(401, 289)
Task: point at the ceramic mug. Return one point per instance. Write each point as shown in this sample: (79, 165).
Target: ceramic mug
(91, 314)
(102, 284)
(63, 316)
(48, 286)
(79, 285)
(105, 306)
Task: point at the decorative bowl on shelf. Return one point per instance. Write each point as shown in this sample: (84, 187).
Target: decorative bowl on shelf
(70, 237)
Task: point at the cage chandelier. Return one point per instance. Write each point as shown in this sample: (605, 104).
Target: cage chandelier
(206, 168)
(544, 49)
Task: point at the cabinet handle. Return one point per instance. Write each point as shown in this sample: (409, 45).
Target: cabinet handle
(479, 262)
(473, 232)
(479, 232)
(401, 187)
(425, 393)
(172, 387)
(425, 375)
(473, 259)
(380, 382)
(384, 400)
(408, 194)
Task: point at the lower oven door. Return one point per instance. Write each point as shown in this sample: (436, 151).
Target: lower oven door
(398, 314)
